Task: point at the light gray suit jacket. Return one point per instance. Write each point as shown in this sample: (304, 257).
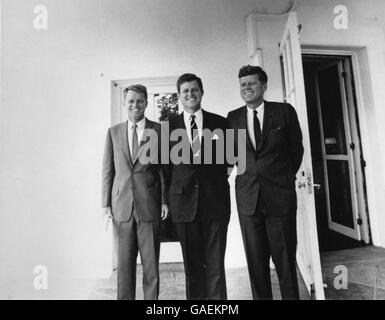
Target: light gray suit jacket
(125, 183)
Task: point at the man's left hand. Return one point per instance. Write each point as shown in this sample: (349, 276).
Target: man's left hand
(164, 212)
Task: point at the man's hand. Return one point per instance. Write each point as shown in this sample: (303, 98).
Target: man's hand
(107, 214)
(164, 212)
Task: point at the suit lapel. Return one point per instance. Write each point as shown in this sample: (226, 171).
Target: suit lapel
(205, 125)
(242, 124)
(205, 120)
(147, 125)
(182, 125)
(180, 122)
(123, 135)
(267, 121)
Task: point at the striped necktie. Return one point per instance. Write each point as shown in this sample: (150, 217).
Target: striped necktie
(195, 142)
(134, 143)
(257, 130)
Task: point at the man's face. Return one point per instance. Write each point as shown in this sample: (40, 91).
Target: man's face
(135, 104)
(252, 89)
(191, 96)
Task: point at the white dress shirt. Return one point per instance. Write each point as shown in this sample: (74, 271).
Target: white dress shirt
(198, 120)
(139, 131)
(250, 121)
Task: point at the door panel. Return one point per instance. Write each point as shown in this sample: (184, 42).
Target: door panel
(308, 258)
(339, 193)
(357, 155)
(331, 110)
(336, 150)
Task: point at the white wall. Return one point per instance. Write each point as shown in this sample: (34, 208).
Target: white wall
(55, 109)
(365, 36)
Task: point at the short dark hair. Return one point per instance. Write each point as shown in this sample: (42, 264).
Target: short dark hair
(188, 77)
(137, 88)
(249, 70)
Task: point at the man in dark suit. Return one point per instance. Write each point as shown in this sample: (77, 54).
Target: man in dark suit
(265, 191)
(199, 193)
(134, 194)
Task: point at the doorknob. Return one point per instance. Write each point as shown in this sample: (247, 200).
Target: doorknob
(317, 186)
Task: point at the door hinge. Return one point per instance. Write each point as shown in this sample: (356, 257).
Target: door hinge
(359, 221)
(343, 74)
(363, 163)
(352, 146)
(299, 28)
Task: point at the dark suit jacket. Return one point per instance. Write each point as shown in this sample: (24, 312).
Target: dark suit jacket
(272, 168)
(206, 182)
(125, 183)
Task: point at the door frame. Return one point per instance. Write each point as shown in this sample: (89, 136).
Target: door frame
(354, 126)
(154, 85)
(355, 231)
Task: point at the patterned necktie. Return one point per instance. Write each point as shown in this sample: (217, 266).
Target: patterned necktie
(134, 143)
(195, 143)
(257, 129)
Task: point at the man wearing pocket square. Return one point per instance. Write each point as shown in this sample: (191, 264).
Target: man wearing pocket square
(134, 195)
(265, 191)
(199, 194)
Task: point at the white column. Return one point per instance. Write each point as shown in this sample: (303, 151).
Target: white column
(254, 51)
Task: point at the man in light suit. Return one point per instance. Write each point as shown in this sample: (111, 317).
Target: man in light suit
(199, 194)
(265, 192)
(134, 195)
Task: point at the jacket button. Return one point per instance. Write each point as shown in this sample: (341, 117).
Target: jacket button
(197, 186)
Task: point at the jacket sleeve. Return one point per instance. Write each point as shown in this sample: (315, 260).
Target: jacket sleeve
(228, 161)
(165, 159)
(164, 168)
(164, 184)
(108, 171)
(234, 152)
(295, 140)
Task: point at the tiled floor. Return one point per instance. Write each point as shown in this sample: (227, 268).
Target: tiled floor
(172, 285)
(363, 267)
(365, 271)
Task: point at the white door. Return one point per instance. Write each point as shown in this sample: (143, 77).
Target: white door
(308, 258)
(337, 150)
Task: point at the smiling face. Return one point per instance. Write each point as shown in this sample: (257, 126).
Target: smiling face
(191, 96)
(252, 90)
(136, 104)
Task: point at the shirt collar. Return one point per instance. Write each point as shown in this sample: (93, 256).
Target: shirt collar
(140, 124)
(198, 115)
(260, 109)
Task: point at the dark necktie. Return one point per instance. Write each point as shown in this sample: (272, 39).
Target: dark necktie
(195, 143)
(257, 129)
(134, 143)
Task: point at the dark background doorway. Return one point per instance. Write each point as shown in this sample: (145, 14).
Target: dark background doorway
(338, 186)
